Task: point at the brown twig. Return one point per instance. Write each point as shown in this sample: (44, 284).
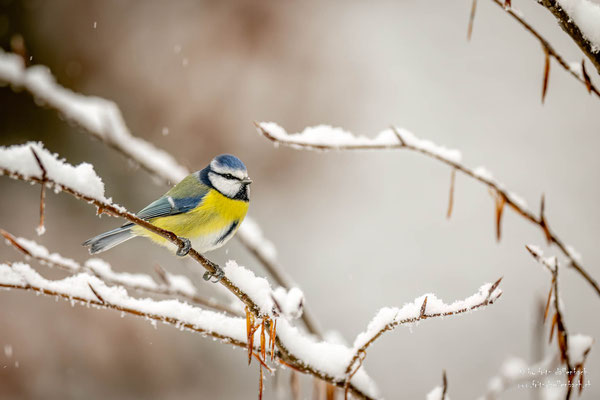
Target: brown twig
(451, 194)
(491, 183)
(547, 46)
(471, 19)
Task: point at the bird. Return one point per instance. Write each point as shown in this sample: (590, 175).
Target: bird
(204, 210)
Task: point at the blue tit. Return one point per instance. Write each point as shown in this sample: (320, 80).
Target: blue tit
(207, 207)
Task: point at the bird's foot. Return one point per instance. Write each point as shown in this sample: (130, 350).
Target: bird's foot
(184, 249)
(218, 274)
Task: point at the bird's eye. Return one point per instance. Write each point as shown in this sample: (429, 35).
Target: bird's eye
(229, 176)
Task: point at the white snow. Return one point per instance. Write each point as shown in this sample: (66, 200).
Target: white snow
(336, 138)
(78, 286)
(579, 345)
(586, 16)
(8, 350)
(105, 271)
(258, 289)
(437, 394)
(411, 311)
(98, 115)
(42, 253)
(290, 302)
(82, 178)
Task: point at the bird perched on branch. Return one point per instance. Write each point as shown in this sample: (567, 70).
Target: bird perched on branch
(207, 207)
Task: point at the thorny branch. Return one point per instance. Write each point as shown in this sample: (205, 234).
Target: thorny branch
(547, 47)
(571, 28)
(167, 289)
(423, 314)
(506, 196)
(284, 354)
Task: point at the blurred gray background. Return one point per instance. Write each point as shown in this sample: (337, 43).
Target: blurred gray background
(356, 231)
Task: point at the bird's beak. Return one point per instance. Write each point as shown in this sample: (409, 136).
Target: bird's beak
(247, 181)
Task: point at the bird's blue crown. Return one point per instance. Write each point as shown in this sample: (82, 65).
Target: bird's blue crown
(228, 161)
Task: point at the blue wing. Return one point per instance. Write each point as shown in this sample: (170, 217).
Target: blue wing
(185, 196)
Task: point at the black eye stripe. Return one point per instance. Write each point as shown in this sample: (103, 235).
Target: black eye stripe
(227, 176)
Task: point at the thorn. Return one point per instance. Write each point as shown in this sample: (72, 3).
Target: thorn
(494, 287)
(546, 73)
(445, 384)
(507, 4)
(500, 202)
(543, 222)
(471, 19)
(40, 228)
(398, 135)
(423, 307)
(96, 294)
(162, 274)
(586, 78)
(451, 195)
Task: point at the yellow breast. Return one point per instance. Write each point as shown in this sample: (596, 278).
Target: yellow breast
(213, 215)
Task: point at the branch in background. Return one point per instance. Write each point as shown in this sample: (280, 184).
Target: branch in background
(328, 138)
(573, 349)
(574, 69)
(173, 285)
(424, 307)
(579, 19)
(18, 162)
(102, 119)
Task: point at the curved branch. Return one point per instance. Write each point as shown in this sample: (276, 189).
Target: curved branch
(569, 25)
(397, 139)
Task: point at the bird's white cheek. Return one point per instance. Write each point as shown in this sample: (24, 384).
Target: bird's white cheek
(225, 186)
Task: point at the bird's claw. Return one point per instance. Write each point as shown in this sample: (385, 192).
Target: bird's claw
(218, 274)
(184, 249)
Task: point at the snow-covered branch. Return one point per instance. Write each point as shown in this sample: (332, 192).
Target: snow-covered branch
(580, 20)
(170, 285)
(102, 119)
(573, 349)
(575, 69)
(423, 307)
(324, 138)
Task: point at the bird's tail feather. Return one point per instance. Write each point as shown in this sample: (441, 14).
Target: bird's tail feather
(108, 240)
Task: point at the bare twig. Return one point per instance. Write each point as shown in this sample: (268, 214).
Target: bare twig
(167, 289)
(547, 46)
(471, 19)
(508, 197)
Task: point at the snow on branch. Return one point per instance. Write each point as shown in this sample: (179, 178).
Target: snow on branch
(440, 392)
(324, 138)
(580, 20)
(88, 289)
(103, 119)
(261, 300)
(171, 285)
(573, 349)
(423, 307)
(575, 69)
